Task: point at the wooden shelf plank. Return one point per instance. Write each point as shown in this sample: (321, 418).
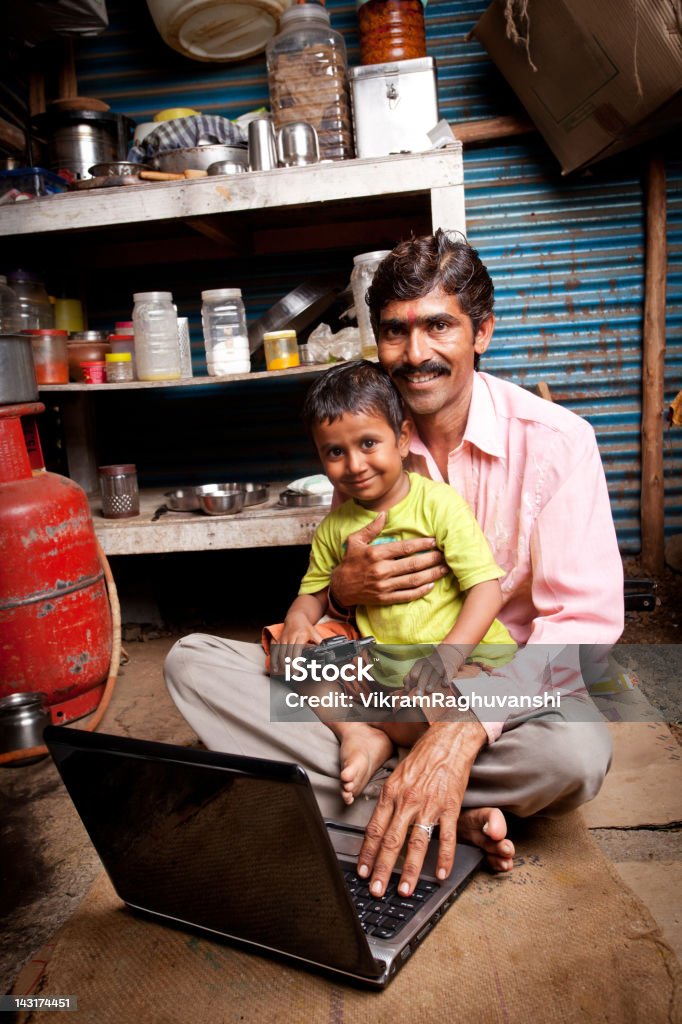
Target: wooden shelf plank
(284, 187)
(266, 525)
(189, 382)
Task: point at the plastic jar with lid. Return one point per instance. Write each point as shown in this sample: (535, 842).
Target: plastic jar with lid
(391, 30)
(50, 356)
(10, 315)
(119, 367)
(226, 338)
(281, 350)
(308, 78)
(157, 350)
(361, 278)
(35, 309)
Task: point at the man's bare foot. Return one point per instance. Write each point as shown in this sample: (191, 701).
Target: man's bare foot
(363, 750)
(487, 828)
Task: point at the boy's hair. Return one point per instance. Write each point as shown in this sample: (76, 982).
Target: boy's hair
(358, 386)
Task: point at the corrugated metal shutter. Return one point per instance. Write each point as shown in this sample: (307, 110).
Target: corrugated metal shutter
(567, 255)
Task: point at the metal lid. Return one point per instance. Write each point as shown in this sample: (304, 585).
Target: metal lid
(153, 297)
(393, 68)
(125, 469)
(87, 336)
(221, 293)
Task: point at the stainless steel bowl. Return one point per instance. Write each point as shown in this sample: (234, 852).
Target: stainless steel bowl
(254, 494)
(199, 158)
(292, 499)
(215, 500)
(182, 500)
(117, 168)
(225, 167)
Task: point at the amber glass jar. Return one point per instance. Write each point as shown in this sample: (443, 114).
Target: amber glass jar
(391, 30)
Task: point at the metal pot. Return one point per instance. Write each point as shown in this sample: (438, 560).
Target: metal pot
(77, 139)
(199, 158)
(23, 716)
(17, 375)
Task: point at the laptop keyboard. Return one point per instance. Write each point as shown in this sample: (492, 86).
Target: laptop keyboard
(386, 916)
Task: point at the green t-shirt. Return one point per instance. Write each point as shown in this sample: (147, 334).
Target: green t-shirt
(431, 509)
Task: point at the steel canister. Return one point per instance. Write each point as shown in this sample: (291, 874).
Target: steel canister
(120, 494)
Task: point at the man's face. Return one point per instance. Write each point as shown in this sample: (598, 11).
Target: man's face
(427, 346)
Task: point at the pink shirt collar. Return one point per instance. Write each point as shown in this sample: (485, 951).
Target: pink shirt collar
(482, 429)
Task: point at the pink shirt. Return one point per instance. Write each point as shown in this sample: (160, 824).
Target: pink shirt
(532, 473)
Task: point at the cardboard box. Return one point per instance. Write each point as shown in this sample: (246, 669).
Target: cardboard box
(609, 72)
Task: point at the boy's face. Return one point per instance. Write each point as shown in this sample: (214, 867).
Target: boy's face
(363, 458)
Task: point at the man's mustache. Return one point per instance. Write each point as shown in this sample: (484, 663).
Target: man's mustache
(430, 366)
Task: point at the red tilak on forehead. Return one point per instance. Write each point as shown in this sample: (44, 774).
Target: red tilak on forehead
(411, 317)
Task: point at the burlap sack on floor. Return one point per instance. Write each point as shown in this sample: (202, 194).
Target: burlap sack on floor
(559, 940)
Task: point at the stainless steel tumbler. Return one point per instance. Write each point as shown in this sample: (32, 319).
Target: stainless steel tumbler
(262, 156)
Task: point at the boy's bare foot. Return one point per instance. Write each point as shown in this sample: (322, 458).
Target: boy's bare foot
(363, 751)
(486, 827)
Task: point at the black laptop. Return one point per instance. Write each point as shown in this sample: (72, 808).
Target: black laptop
(236, 847)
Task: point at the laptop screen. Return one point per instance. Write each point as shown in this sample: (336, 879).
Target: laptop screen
(232, 844)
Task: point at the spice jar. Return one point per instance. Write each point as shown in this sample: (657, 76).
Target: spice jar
(50, 356)
(94, 371)
(157, 347)
(281, 350)
(226, 338)
(119, 367)
(391, 30)
(361, 278)
(120, 494)
(308, 80)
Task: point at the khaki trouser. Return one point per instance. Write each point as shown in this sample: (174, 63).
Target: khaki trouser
(542, 763)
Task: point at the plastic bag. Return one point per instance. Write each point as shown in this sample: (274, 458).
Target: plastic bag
(325, 347)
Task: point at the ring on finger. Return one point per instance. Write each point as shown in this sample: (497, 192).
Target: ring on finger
(428, 828)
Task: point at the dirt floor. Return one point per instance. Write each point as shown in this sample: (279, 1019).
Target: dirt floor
(48, 864)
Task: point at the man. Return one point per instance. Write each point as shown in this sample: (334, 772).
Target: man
(532, 474)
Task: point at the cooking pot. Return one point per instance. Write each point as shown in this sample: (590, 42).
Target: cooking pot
(17, 375)
(78, 139)
(199, 158)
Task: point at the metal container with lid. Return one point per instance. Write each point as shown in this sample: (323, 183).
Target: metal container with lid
(120, 494)
(394, 106)
(17, 373)
(23, 716)
(78, 139)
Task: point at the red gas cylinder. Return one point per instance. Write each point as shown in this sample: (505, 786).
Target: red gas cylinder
(55, 619)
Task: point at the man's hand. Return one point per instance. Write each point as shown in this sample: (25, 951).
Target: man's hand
(381, 574)
(426, 788)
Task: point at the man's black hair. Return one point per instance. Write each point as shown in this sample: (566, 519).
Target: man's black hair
(419, 265)
(358, 386)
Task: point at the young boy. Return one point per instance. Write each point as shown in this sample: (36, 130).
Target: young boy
(356, 418)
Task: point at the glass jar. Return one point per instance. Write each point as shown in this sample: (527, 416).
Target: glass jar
(308, 79)
(157, 349)
(119, 367)
(120, 493)
(226, 338)
(281, 350)
(81, 350)
(10, 315)
(35, 308)
(391, 30)
(124, 343)
(361, 278)
(50, 356)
